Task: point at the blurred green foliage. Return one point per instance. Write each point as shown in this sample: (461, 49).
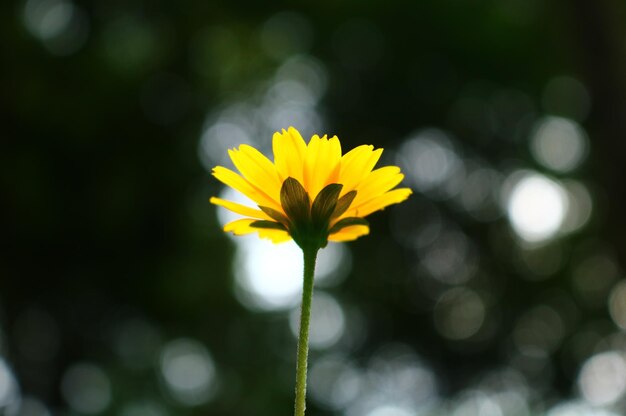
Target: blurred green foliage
(111, 250)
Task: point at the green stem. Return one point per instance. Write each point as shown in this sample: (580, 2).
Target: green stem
(310, 255)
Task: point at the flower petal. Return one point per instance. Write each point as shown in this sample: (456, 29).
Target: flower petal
(350, 233)
(289, 153)
(295, 201)
(380, 202)
(235, 181)
(242, 227)
(347, 222)
(272, 225)
(324, 204)
(343, 204)
(321, 164)
(257, 169)
(240, 209)
(377, 183)
(356, 165)
(348, 187)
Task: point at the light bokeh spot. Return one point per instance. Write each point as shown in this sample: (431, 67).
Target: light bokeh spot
(30, 406)
(536, 206)
(86, 388)
(137, 342)
(269, 276)
(540, 328)
(9, 389)
(328, 321)
(217, 138)
(334, 382)
(188, 371)
(617, 304)
(559, 144)
(391, 410)
(578, 408)
(428, 160)
(478, 403)
(459, 313)
(602, 379)
(450, 258)
(60, 25)
(579, 206)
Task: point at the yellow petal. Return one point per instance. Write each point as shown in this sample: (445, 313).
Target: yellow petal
(377, 183)
(356, 165)
(380, 202)
(235, 181)
(240, 209)
(242, 227)
(350, 233)
(275, 236)
(289, 152)
(334, 161)
(321, 164)
(257, 169)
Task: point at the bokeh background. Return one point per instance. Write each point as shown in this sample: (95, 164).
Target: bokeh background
(498, 289)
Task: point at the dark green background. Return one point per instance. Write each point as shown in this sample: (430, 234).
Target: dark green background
(106, 214)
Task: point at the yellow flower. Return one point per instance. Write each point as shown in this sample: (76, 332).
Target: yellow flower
(311, 193)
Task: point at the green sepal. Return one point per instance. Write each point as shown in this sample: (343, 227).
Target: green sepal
(268, 224)
(295, 201)
(325, 203)
(343, 204)
(346, 222)
(275, 215)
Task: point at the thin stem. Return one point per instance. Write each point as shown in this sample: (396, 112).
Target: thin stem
(310, 255)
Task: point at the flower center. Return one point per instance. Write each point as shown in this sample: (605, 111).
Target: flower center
(309, 224)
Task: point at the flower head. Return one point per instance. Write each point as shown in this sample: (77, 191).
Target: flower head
(311, 193)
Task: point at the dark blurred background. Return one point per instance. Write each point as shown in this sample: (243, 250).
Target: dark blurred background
(496, 290)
